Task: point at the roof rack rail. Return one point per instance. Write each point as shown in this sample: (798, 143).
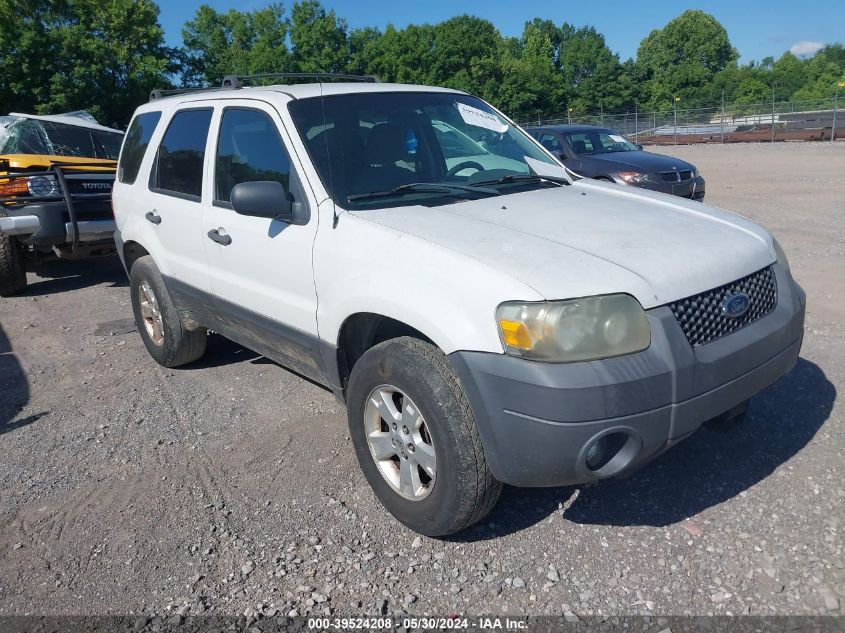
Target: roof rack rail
(159, 94)
(237, 81)
(233, 82)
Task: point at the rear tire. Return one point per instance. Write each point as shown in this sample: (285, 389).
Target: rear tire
(461, 489)
(164, 334)
(12, 265)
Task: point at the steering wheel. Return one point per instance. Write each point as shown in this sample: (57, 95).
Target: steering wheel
(464, 165)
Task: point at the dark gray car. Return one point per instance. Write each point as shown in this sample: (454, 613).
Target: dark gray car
(602, 153)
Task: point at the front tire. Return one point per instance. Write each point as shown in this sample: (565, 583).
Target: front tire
(166, 338)
(416, 440)
(12, 265)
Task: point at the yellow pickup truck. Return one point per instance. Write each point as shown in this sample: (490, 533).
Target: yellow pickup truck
(56, 176)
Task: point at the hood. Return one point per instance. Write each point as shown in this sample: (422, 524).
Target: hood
(640, 161)
(32, 161)
(594, 238)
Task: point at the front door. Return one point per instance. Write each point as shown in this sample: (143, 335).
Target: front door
(260, 268)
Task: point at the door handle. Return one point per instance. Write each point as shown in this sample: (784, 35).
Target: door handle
(223, 239)
(153, 217)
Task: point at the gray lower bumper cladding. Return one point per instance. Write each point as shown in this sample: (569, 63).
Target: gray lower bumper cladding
(541, 424)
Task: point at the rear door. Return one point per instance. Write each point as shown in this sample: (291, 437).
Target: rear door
(174, 204)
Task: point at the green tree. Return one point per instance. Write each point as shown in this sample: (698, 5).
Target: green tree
(682, 58)
(591, 72)
(787, 74)
(103, 56)
(520, 77)
(359, 41)
(318, 38)
(401, 55)
(822, 73)
(752, 90)
(457, 43)
(218, 44)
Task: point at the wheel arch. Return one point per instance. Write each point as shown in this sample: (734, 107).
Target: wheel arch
(363, 330)
(132, 251)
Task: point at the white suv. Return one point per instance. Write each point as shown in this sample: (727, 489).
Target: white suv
(484, 319)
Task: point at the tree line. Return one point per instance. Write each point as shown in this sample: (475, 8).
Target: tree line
(106, 55)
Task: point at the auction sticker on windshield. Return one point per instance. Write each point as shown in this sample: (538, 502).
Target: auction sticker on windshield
(480, 118)
(617, 138)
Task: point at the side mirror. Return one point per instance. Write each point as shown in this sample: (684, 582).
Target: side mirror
(640, 147)
(267, 199)
(562, 156)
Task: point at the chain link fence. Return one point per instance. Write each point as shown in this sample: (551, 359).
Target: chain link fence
(813, 120)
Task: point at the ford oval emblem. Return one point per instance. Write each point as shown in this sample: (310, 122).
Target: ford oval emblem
(735, 305)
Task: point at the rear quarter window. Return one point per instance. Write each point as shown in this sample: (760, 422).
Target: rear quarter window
(137, 139)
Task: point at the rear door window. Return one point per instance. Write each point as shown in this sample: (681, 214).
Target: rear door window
(137, 139)
(179, 161)
(249, 149)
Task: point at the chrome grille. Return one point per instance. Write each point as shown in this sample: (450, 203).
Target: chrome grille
(702, 318)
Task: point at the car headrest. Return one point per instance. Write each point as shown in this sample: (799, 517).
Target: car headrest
(579, 147)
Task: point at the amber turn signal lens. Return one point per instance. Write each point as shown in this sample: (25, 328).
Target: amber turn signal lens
(13, 187)
(516, 334)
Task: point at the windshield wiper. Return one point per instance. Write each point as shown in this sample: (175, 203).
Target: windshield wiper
(510, 178)
(425, 187)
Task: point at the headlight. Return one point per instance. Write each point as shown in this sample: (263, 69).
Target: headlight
(780, 254)
(42, 186)
(695, 172)
(575, 330)
(634, 177)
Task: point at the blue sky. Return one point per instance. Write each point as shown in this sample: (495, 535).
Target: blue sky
(757, 28)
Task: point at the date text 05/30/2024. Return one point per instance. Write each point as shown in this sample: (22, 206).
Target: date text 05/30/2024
(418, 623)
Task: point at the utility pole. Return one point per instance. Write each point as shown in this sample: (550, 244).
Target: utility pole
(840, 84)
(722, 120)
(773, 112)
(601, 111)
(636, 120)
(569, 115)
(675, 116)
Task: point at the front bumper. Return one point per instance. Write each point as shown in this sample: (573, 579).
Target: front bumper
(692, 189)
(537, 420)
(47, 223)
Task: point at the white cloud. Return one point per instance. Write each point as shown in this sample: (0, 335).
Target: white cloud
(805, 49)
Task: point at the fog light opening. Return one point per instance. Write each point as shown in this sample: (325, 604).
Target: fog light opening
(604, 449)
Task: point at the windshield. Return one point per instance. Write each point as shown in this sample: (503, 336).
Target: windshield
(31, 136)
(375, 143)
(599, 142)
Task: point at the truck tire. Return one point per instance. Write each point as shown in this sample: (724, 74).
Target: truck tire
(416, 440)
(164, 334)
(12, 265)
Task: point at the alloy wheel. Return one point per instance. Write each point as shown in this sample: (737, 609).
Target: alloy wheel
(400, 442)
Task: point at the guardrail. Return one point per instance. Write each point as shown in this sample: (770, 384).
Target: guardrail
(814, 120)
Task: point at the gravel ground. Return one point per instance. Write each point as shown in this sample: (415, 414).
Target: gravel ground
(231, 486)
